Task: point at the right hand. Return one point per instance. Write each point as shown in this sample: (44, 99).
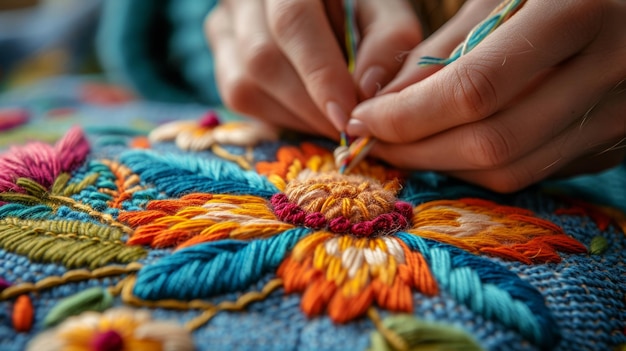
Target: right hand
(281, 60)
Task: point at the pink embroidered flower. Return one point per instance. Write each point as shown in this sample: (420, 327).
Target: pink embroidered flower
(41, 162)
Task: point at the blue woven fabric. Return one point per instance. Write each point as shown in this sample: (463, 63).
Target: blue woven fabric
(579, 301)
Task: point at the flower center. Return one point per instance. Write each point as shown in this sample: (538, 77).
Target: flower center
(107, 341)
(342, 204)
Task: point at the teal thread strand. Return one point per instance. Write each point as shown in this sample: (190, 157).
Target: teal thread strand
(181, 174)
(477, 35)
(229, 265)
(489, 289)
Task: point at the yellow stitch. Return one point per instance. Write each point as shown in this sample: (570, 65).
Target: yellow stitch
(278, 182)
(362, 208)
(70, 276)
(345, 241)
(128, 297)
(241, 303)
(395, 340)
(320, 257)
(346, 207)
(294, 169)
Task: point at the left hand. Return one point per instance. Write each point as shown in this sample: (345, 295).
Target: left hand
(542, 95)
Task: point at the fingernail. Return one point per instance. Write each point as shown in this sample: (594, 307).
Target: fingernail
(356, 128)
(371, 81)
(336, 115)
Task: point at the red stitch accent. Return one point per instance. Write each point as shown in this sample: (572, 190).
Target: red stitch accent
(383, 222)
(107, 341)
(210, 120)
(404, 208)
(340, 225)
(363, 228)
(315, 220)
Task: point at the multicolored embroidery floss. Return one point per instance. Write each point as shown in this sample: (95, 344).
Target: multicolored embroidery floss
(295, 253)
(499, 15)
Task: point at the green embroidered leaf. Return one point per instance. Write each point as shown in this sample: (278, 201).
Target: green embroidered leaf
(74, 244)
(94, 299)
(76, 187)
(420, 335)
(20, 198)
(60, 183)
(598, 245)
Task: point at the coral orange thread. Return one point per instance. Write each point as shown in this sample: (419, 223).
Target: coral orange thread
(484, 226)
(169, 223)
(126, 182)
(23, 314)
(602, 216)
(345, 274)
(140, 142)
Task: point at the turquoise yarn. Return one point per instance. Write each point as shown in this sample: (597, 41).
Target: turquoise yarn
(490, 289)
(228, 264)
(182, 174)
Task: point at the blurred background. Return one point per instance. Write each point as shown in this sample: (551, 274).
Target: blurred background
(156, 48)
(43, 38)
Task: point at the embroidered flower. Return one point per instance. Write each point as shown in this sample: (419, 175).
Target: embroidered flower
(345, 241)
(114, 330)
(41, 162)
(209, 131)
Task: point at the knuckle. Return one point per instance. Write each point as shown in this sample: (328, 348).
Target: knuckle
(474, 95)
(487, 146)
(260, 55)
(317, 74)
(286, 17)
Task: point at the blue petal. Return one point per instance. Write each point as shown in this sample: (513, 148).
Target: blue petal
(213, 268)
(489, 289)
(178, 174)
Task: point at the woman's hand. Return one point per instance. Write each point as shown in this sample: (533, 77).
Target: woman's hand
(542, 95)
(282, 61)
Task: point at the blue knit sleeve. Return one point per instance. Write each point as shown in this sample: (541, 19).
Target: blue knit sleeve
(159, 49)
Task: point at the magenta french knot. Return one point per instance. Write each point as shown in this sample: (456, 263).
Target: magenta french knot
(385, 223)
(107, 341)
(210, 120)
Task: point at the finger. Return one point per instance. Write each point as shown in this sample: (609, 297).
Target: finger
(486, 79)
(533, 120)
(596, 145)
(240, 93)
(440, 44)
(306, 38)
(266, 65)
(388, 28)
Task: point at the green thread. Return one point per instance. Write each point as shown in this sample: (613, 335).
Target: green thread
(20, 198)
(598, 245)
(32, 187)
(422, 336)
(94, 299)
(60, 183)
(77, 275)
(72, 243)
(63, 187)
(37, 194)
